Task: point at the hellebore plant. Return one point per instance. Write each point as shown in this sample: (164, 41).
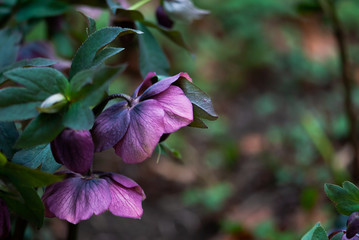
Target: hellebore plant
(83, 193)
(134, 127)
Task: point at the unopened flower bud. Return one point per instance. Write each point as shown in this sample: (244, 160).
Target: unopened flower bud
(183, 10)
(53, 104)
(162, 18)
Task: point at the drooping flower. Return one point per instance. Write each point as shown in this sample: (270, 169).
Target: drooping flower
(352, 225)
(79, 197)
(162, 18)
(74, 149)
(134, 127)
(4, 220)
(183, 10)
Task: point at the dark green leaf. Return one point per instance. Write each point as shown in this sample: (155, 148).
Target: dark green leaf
(35, 62)
(41, 130)
(172, 153)
(85, 55)
(105, 54)
(36, 156)
(8, 137)
(18, 104)
(346, 198)
(173, 35)
(202, 104)
(45, 81)
(90, 85)
(338, 236)
(316, 233)
(41, 9)
(79, 116)
(29, 206)
(26, 177)
(152, 58)
(91, 24)
(9, 47)
(198, 123)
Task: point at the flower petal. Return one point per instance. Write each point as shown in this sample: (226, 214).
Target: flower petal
(178, 108)
(74, 149)
(148, 82)
(4, 220)
(76, 198)
(127, 196)
(162, 85)
(110, 126)
(144, 132)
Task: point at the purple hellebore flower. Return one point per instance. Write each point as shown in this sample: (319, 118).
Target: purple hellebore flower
(74, 149)
(78, 197)
(353, 225)
(134, 127)
(4, 220)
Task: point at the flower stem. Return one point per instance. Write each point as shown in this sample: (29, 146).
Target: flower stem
(139, 4)
(72, 231)
(98, 109)
(347, 82)
(20, 227)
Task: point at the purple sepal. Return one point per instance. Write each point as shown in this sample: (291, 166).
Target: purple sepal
(79, 197)
(4, 220)
(110, 126)
(74, 149)
(144, 132)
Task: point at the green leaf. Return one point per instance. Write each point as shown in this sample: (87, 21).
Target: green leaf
(91, 24)
(10, 40)
(198, 123)
(29, 206)
(346, 198)
(26, 177)
(79, 117)
(86, 54)
(105, 54)
(35, 62)
(41, 130)
(18, 104)
(337, 236)
(316, 233)
(152, 58)
(173, 35)
(172, 153)
(90, 85)
(202, 103)
(45, 80)
(3, 160)
(37, 156)
(40, 9)
(8, 137)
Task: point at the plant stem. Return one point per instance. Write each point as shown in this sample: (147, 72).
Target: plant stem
(98, 109)
(72, 231)
(20, 227)
(347, 83)
(139, 4)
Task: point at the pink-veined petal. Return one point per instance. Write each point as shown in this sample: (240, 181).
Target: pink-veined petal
(178, 108)
(76, 198)
(110, 126)
(144, 132)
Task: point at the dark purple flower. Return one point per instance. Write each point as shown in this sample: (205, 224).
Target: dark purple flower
(42, 49)
(78, 197)
(134, 127)
(353, 225)
(4, 220)
(74, 149)
(162, 18)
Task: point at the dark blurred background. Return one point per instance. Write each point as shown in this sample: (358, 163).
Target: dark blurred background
(272, 70)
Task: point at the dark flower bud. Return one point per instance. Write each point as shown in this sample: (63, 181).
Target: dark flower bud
(353, 225)
(74, 149)
(162, 18)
